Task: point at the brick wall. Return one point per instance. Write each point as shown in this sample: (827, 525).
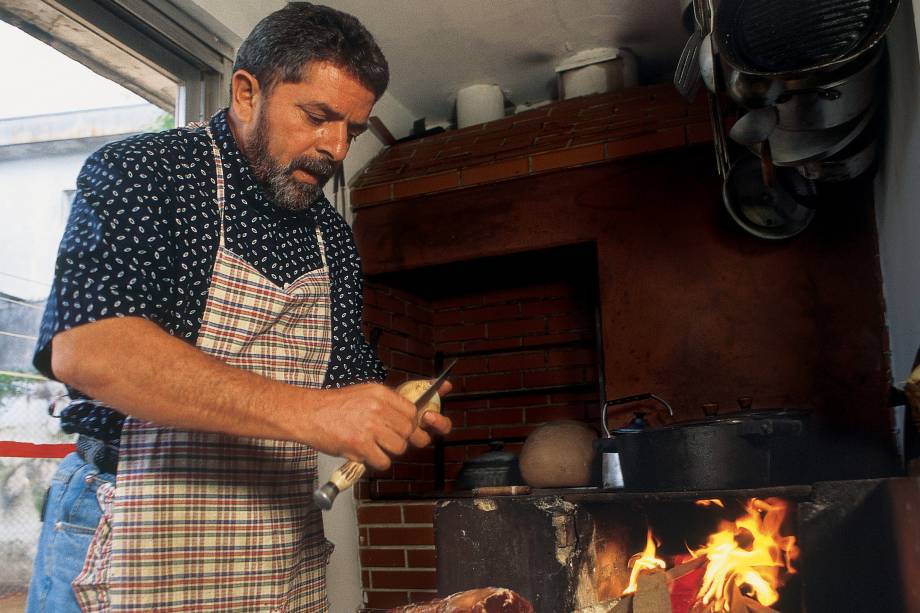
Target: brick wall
(575, 132)
(526, 357)
(523, 329)
(397, 553)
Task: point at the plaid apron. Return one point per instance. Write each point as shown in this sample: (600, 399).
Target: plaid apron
(201, 521)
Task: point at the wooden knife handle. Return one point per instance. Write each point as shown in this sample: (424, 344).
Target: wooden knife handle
(343, 478)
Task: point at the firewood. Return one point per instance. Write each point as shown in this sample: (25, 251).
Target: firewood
(617, 605)
(652, 595)
(482, 600)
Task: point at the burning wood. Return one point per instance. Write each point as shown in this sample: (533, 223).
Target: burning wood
(739, 570)
(482, 600)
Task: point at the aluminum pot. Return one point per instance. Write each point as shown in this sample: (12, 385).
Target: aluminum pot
(755, 87)
(748, 449)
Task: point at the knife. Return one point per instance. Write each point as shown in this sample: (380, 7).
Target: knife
(349, 472)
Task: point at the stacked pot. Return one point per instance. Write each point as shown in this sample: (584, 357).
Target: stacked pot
(807, 76)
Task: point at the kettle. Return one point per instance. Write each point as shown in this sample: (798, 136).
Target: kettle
(611, 470)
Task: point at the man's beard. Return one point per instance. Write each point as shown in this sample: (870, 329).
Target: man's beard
(277, 180)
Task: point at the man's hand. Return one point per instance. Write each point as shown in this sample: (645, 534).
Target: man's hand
(132, 364)
(369, 423)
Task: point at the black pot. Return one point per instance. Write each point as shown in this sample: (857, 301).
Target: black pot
(743, 450)
(493, 468)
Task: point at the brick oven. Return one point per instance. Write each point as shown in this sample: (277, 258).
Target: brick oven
(578, 252)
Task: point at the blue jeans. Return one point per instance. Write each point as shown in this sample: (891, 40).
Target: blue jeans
(70, 517)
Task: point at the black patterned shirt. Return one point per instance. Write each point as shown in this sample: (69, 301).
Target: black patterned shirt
(141, 241)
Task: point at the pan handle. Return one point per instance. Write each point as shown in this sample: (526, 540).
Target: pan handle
(627, 400)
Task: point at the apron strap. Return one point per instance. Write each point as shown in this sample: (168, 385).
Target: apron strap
(219, 169)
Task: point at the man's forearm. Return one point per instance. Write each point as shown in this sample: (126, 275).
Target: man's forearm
(131, 364)
(134, 366)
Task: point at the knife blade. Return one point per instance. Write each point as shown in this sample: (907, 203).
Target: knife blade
(349, 472)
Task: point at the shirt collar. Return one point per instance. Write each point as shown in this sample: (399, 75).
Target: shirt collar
(239, 175)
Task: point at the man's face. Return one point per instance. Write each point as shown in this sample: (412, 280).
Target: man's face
(303, 131)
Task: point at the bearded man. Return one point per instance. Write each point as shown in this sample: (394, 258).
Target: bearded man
(205, 317)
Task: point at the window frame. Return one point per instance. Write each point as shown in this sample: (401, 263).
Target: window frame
(138, 43)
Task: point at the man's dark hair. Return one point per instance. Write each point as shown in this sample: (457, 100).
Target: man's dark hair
(282, 43)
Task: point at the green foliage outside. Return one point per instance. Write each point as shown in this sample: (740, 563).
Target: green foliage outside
(166, 121)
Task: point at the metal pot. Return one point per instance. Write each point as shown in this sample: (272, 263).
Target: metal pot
(748, 449)
(754, 86)
(833, 103)
(493, 468)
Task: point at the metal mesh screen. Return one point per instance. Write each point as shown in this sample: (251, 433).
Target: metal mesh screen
(783, 35)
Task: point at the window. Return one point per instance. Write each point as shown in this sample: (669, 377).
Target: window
(87, 73)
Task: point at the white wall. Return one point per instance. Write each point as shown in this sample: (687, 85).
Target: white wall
(341, 524)
(898, 195)
(32, 219)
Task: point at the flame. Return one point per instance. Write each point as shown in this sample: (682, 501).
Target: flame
(748, 554)
(710, 502)
(644, 561)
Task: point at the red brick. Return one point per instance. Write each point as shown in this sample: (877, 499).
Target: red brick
(665, 139)
(454, 454)
(391, 303)
(460, 404)
(564, 323)
(422, 350)
(371, 195)
(386, 600)
(400, 536)
(571, 357)
(409, 363)
(511, 431)
(408, 472)
(419, 312)
(407, 579)
(491, 417)
(517, 361)
(494, 172)
(471, 366)
(383, 557)
(417, 455)
(365, 578)
(447, 317)
(491, 313)
(426, 185)
(567, 337)
(422, 558)
(547, 307)
(419, 513)
(395, 377)
(558, 376)
(524, 400)
(493, 344)
(391, 488)
(402, 323)
(522, 327)
(543, 414)
(566, 158)
(373, 315)
(452, 469)
(425, 333)
(461, 332)
(393, 341)
(497, 382)
(452, 347)
(466, 434)
(384, 514)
